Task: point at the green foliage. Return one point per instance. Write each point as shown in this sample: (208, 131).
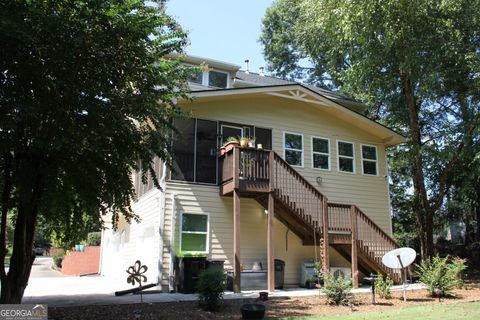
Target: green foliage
(337, 290)
(415, 64)
(94, 238)
(441, 275)
(383, 286)
(58, 259)
(87, 89)
(211, 285)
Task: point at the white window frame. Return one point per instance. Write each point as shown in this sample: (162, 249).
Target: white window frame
(321, 153)
(300, 150)
(207, 247)
(369, 160)
(206, 78)
(348, 157)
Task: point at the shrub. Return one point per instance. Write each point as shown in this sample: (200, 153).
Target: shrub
(383, 286)
(441, 275)
(337, 290)
(94, 238)
(57, 259)
(211, 285)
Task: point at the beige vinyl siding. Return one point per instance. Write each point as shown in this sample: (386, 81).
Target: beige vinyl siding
(140, 240)
(253, 225)
(369, 193)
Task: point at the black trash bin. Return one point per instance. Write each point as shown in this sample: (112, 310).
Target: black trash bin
(187, 271)
(279, 273)
(215, 264)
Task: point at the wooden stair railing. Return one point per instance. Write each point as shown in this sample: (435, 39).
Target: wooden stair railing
(309, 204)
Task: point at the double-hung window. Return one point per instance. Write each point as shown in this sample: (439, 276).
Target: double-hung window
(293, 148)
(194, 233)
(320, 153)
(369, 160)
(346, 156)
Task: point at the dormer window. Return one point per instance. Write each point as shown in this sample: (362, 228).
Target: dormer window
(211, 78)
(217, 79)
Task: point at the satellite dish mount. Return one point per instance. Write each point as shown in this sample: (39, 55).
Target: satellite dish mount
(400, 258)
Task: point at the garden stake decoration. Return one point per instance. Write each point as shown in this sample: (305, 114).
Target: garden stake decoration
(135, 274)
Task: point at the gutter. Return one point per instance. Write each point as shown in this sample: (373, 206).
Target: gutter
(171, 282)
(161, 227)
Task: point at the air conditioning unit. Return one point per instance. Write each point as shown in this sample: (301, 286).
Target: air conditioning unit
(337, 272)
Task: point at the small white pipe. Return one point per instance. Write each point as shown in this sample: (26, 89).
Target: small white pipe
(171, 282)
(161, 227)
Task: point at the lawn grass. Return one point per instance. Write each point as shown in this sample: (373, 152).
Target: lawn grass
(461, 310)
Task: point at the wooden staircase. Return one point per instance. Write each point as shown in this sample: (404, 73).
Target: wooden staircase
(305, 210)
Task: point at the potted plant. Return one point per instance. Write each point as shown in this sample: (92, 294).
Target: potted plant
(251, 142)
(229, 144)
(244, 142)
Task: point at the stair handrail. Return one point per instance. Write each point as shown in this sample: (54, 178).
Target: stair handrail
(360, 214)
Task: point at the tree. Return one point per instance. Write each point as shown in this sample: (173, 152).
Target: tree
(416, 64)
(86, 90)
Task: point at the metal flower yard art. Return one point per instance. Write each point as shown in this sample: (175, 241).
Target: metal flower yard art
(135, 275)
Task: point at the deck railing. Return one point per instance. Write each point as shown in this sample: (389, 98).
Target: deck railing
(298, 193)
(304, 200)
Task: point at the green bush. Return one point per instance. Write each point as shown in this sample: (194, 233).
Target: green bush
(211, 285)
(57, 259)
(383, 286)
(337, 290)
(94, 238)
(441, 275)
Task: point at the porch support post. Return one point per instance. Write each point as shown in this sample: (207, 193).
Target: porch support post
(326, 244)
(270, 244)
(236, 242)
(236, 222)
(353, 218)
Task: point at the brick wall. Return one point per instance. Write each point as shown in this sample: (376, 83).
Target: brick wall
(78, 263)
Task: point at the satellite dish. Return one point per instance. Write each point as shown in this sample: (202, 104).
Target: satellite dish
(399, 258)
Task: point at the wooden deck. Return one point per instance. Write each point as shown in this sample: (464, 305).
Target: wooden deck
(264, 176)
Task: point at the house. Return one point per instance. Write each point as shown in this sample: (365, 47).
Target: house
(318, 167)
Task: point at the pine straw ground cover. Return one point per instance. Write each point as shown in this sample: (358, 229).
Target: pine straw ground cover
(276, 308)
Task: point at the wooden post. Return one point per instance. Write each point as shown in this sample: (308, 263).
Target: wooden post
(353, 218)
(326, 244)
(236, 225)
(236, 242)
(270, 244)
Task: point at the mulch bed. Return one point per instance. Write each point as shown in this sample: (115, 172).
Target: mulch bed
(276, 307)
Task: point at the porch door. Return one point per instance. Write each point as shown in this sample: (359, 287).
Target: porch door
(228, 130)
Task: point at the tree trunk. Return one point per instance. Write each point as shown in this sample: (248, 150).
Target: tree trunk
(15, 282)
(421, 204)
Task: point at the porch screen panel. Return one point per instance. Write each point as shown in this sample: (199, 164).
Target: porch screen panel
(184, 150)
(206, 160)
(264, 137)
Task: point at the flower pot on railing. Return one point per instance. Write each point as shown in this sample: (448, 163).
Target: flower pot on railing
(227, 147)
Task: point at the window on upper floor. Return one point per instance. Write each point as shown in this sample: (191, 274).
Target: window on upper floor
(217, 79)
(293, 148)
(211, 78)
(369, 160)
(346, 156)
(194, 233)
(320, 153)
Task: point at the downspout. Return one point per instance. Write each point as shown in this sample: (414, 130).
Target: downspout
(171, 282)
(161, 227)
(387, 177)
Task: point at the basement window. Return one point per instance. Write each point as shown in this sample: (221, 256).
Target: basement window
(369, 160)
(346, 157)
(194, 233)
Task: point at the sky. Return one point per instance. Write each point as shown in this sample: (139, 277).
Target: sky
(225, 30)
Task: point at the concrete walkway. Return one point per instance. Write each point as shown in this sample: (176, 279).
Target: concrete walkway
(51, 287)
